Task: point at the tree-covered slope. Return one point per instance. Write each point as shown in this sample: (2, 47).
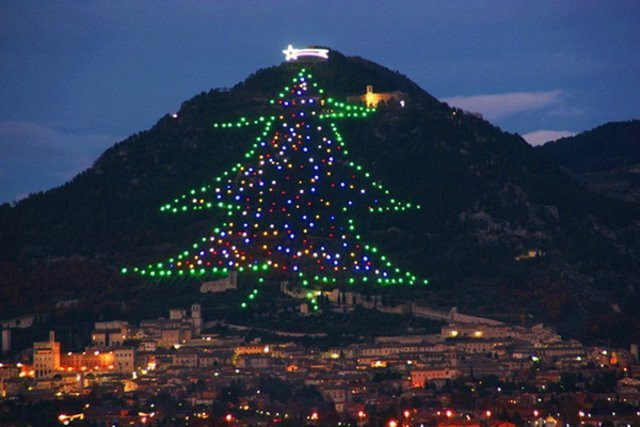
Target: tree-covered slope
(605, 159)
(488, 198)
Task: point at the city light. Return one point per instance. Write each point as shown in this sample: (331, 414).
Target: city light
(66, 419)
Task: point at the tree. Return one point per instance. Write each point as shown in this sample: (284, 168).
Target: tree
(290, 206)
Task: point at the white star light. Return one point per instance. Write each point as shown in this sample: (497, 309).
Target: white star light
(291, 53)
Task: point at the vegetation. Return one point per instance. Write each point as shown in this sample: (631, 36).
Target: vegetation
(605, 159)
(487, 198)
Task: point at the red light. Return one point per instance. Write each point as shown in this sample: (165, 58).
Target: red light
(392, 423)
(488, 414)
(449, 413)
(228, 418)
(362, 414)
(406, 413)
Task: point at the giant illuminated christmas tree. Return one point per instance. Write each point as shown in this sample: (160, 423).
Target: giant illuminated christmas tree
(291, 205)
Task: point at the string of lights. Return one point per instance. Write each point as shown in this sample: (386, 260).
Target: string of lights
(290, 205)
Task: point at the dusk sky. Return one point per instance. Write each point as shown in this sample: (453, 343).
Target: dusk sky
(77, 76)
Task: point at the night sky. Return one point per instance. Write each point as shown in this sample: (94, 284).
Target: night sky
(76, 77)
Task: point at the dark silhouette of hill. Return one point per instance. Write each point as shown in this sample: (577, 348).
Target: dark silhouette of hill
(605, 159)
(502, 229)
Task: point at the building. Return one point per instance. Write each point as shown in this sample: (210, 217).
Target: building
(5, 337)
(373, 99)
(172, 337)
(221, 285)
(187, 357)
(254, 361)
(124, 360)
(419, 377)
(196, 319)
(177, 313)
(90, 359)
(109, 334)
(340, 395)
(46, 356)
(148, 345)
(175, 331)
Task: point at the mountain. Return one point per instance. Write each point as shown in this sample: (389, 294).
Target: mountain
(502, 230)
(605, 159)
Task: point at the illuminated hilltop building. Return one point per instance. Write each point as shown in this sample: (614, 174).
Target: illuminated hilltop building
(373, 99)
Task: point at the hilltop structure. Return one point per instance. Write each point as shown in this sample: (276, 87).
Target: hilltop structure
(373, 99)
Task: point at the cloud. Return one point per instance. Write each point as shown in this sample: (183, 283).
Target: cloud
(541, 136)
(36, 157)
(565, 111)
(501, 105)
